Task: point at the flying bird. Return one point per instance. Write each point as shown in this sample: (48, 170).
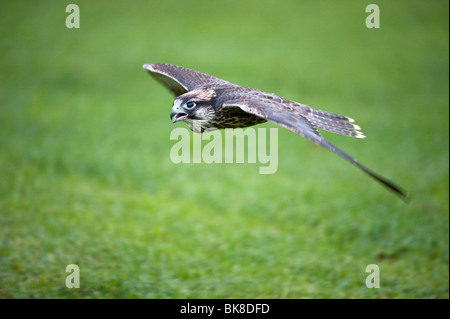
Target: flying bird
(216, 103)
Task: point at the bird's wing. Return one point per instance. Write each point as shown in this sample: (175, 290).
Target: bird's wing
(295, 120)
(180, 80)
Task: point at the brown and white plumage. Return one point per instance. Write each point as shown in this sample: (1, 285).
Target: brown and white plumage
(217, 103)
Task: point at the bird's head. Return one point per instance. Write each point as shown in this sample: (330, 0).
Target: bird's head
(195, 105)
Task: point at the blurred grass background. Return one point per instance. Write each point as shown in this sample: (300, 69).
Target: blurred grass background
(86, 178)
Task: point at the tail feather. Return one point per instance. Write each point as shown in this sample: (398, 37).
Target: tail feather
(335, 123)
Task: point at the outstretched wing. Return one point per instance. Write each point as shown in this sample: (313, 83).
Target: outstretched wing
(295, 119)
(180, 80)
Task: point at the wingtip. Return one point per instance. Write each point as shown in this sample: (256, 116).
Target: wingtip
(147, 66)
(402, 194)
(406, 199)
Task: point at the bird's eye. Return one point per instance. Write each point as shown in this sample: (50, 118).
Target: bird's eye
(190, 105)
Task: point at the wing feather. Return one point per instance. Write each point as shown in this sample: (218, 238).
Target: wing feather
(180, 80)
(292, 119)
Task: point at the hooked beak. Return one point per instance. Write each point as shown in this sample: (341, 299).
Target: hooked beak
(175, 116)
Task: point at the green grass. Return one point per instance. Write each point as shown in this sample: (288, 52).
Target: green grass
(86, 178)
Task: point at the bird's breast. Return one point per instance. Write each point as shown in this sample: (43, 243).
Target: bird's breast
(233, 117)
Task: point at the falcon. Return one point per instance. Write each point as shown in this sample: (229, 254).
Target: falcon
(215, 103)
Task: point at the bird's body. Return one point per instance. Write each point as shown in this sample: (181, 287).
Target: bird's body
(215, 103)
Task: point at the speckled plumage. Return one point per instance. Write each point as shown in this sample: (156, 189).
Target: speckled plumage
(217, 103)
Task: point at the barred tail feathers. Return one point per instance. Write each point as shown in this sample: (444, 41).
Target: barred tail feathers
(335, 123)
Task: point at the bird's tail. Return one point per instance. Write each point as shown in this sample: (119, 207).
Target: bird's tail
(335, 123)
